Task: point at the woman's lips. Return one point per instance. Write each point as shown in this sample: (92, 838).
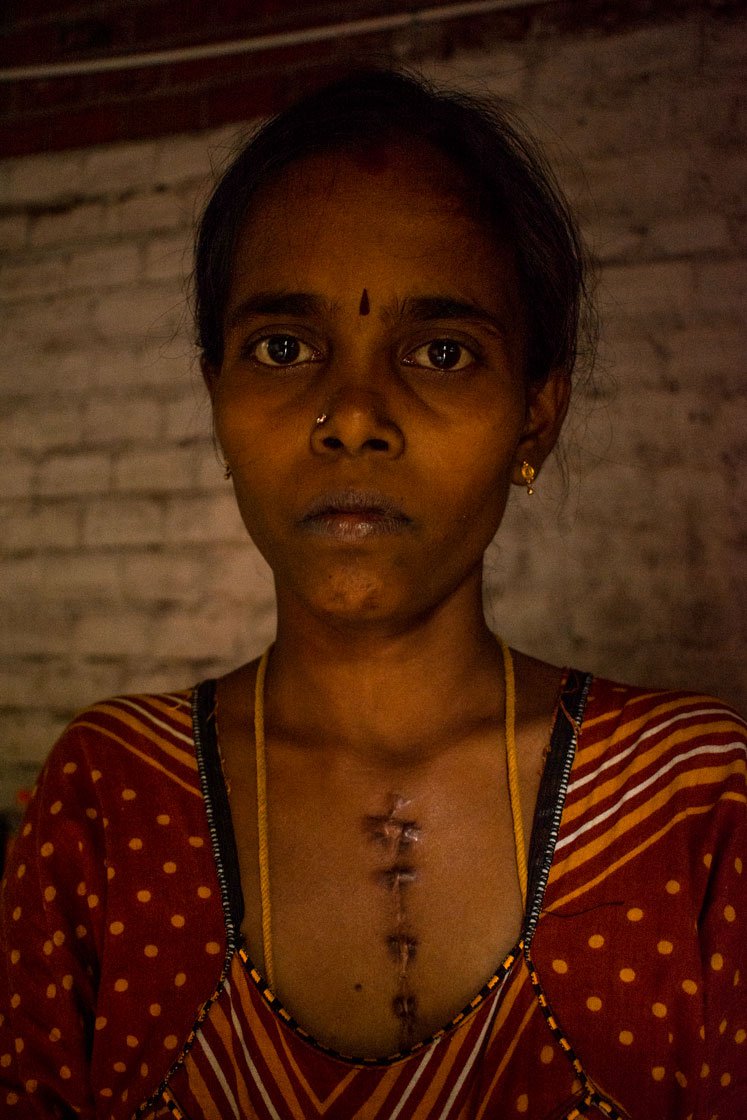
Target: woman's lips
(354, 514)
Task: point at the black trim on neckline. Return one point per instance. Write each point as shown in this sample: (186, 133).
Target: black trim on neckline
(552, 792)
(218, 808)
(545, 826)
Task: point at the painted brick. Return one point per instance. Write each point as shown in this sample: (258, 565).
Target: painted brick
(84, 677)
(689, 234)
(203, 519)
(144, 213)
(148, 314)
(30, 429)
(168, 257)
(97, 367)
(189, 158)
(165, 576)
(113, 420)
(13, 232)
(21, 682)
(39, 525)
(77, 223)
(707, 110)
(62, 322)
(657, 289)
(32, 371)
(650, 444)
(607, 120)
(27, 738)
(37, 180)
(161, 676)
(634, 184)
(731, 447)
(108, 267)
(133, 366)
(618, 238)
(16, 476)
(243, 576)
(75, 473)
(20, 576)
(157, 471)
(499, 71)
(122, 521)
(723, 45)
(626, 57)
(188, 418)
(111, 632)
(722, 288)
(35, 630)
(721, 179)
(18, 281)
(201, 632)
(81, 577)
(117, 169)
(714, 357)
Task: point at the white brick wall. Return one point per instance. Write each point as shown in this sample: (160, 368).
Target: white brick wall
(123, 562)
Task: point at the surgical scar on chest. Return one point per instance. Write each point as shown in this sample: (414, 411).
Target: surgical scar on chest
(397, 836)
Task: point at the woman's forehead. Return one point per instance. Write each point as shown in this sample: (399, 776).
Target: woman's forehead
(331, 229)
(398, 174)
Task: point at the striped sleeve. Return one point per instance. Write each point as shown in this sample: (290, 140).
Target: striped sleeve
(112, 925)
(649, 875)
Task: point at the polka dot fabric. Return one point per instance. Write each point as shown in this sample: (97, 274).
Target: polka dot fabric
(624, 998)
(641, 926)
(112, 922)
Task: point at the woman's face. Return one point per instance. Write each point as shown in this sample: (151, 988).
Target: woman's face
(371, 401)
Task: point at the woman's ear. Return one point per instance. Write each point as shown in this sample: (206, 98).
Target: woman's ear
(547, 405)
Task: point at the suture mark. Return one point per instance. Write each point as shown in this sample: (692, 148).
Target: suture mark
(405, 1007)
(396, 837)
(403, 948)
(390, 831)
(397, 877)
(365, 306)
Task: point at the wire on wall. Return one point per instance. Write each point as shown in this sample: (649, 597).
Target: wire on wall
(346, 30)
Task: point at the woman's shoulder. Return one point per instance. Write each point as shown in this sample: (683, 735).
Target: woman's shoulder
(649, 738)
(123, 742)
(171, 711)
(615, 710)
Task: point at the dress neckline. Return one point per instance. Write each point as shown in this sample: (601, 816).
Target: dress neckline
(559, 759)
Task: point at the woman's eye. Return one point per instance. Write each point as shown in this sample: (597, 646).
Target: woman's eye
(281, 350)
(441, 353)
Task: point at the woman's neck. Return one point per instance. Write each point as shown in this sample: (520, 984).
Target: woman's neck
(389, 692)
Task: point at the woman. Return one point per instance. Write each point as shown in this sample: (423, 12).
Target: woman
(392, 869)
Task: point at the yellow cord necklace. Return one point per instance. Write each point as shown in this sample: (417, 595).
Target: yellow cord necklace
(262, 831)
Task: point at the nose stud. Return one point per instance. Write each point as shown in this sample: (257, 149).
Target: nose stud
(321, 419)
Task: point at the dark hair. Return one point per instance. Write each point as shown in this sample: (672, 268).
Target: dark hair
(517, 194)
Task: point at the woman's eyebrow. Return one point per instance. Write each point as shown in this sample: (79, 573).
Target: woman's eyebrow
(277, 303)
(424, 309)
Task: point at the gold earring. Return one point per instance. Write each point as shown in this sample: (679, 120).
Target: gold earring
(528, 473)
(226, 470)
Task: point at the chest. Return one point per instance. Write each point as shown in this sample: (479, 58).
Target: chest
(392, 900)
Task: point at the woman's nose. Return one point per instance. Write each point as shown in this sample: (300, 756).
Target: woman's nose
(355, 422)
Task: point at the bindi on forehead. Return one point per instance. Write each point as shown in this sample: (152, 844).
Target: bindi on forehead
(364, 306)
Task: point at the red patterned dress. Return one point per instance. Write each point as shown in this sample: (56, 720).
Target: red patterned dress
(131, 994)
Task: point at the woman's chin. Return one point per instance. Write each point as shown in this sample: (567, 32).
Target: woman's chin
(348, 598)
